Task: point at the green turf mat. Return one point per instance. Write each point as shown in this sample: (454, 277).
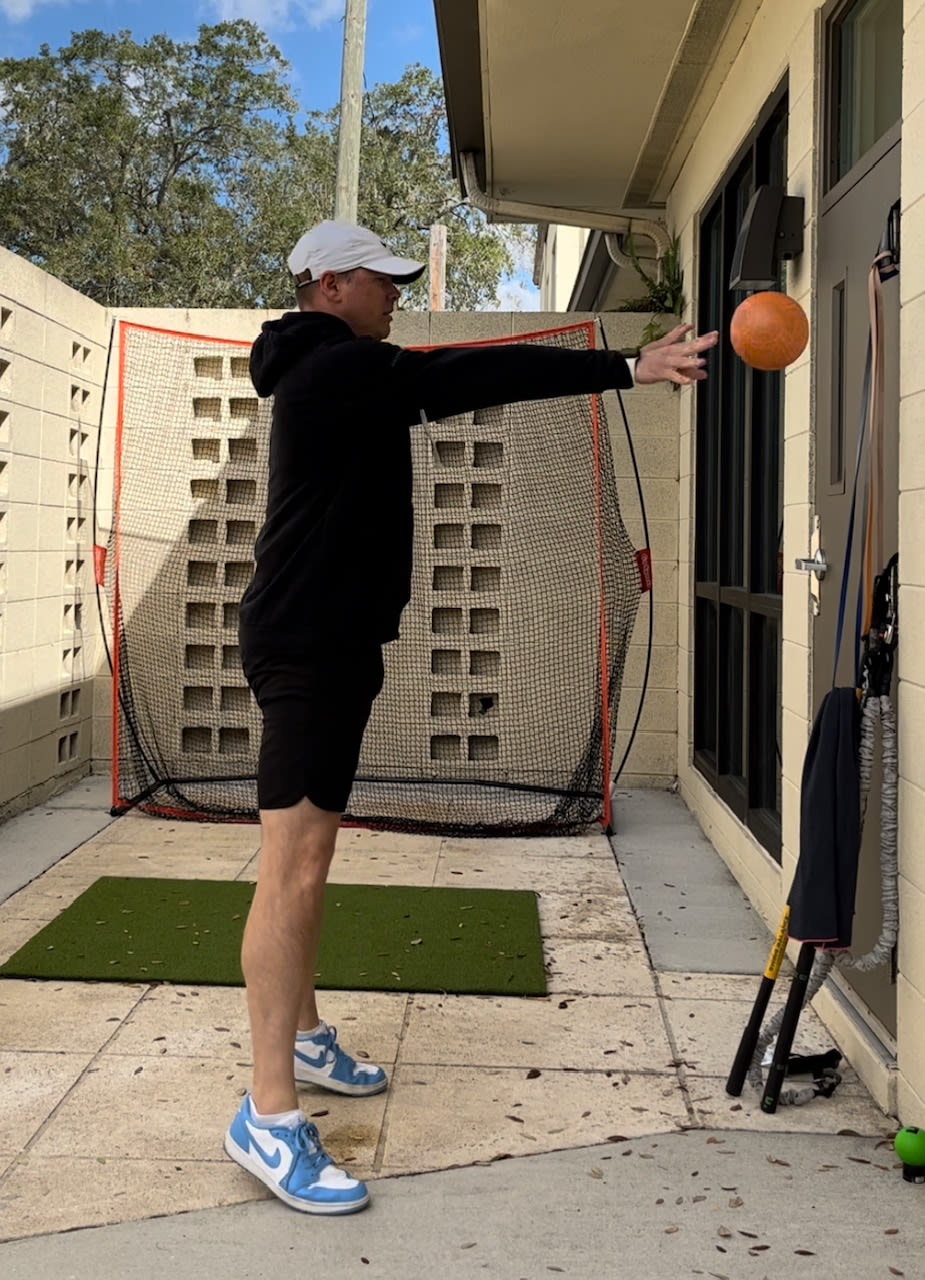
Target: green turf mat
(375, 937)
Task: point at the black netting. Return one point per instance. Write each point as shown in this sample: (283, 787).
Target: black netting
(493, 716)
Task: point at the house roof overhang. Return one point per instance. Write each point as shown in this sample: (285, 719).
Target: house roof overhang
(586, 108)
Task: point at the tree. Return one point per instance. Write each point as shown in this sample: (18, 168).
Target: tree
(168, 174)
(119, 158)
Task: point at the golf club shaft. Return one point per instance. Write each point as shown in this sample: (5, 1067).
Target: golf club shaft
(778, 1069)
(750, 1035)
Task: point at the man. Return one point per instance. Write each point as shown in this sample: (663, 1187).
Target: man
(333, 574)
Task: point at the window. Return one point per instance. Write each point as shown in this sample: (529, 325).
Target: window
(865, 41)
(738, 529)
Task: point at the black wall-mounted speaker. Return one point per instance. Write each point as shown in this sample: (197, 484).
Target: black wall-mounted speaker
(772, 230)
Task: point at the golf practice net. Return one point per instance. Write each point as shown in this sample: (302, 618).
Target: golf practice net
(500, 701)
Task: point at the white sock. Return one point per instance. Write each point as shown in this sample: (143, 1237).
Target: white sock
(307, 1035)
(281, 1120)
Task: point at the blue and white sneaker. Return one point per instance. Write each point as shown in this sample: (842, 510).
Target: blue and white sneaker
(320, 1060)
(293, 1164)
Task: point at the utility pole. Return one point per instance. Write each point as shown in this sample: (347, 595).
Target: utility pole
(437, 267)
(351, 113)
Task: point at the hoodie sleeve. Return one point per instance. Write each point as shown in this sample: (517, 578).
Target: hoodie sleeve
(364, 376)
(451, 380)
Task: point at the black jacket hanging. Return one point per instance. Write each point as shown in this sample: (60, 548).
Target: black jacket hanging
(823, 890)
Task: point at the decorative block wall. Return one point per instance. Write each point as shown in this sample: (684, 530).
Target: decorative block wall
(52, 360)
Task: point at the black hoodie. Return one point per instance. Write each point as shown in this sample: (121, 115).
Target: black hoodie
(334, 555)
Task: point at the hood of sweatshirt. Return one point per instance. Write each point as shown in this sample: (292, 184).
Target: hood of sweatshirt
(282, 343)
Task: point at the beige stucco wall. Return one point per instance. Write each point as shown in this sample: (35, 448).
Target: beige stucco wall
(561, 261)
(911, 982)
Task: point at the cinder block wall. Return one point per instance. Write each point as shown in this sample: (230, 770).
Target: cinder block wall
(55, 694)
(53, 345)
(653, 417)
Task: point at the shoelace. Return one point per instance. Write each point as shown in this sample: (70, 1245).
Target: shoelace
(328, 1039)
(307, 1142)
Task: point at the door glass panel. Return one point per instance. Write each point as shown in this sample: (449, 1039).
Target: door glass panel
(764, 712)
(705, 638)
(708, 406)
(767, 482)
(867, 63)
(731, 708)
(733, 461)
(738, 526)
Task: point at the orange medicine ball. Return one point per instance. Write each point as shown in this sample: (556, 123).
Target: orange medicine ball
(769, 330)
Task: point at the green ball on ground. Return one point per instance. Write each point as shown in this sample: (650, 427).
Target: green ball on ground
(910, 1146)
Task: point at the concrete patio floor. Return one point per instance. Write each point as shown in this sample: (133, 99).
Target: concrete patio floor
(115, 1096)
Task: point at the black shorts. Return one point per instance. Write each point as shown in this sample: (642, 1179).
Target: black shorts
(315, 709)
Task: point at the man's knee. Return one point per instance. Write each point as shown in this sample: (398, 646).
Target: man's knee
(299, 839)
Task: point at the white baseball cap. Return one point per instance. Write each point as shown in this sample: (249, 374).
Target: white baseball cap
(341, 246)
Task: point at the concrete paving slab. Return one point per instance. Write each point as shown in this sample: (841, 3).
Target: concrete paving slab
(638, 813)
(673, 1206)
(34, 1084)
(379, 844)
(596, 967)
(593, 844)
(568, 915)
(213, 1023)
(584, 1033)
(544, 875)
(33, 841)
(164, 1108)
(462, 1115)
(125, 828)
(144, 830)
(711, 941)
(710, 986)
(78, 1017)
(849, 1110)
(93, 793)
(68, 1192)
(694, 915)
(407, 867)
(44, 898)
(112, 1142)
(205, 862)
(14, 933)
(707, 1032)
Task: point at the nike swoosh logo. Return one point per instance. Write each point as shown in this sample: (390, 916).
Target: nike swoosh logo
(318, 1062)
(272, 1158)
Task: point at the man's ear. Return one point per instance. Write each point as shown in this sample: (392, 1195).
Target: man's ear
(329, 283)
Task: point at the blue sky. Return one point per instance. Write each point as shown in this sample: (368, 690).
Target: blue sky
(308, 33)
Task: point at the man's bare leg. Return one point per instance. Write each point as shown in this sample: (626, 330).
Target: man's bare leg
(281, 942)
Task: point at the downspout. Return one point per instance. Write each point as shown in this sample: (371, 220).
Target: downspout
(613, 225)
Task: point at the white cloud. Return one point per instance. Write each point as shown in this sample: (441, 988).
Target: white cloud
(517, 294)
(18, 10)
(270, 13)
(523, 252)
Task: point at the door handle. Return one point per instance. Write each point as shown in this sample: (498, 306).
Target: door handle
(817, 565)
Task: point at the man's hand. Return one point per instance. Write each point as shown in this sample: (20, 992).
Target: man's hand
(672, 359)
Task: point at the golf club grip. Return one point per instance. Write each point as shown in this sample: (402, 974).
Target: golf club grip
(746, 1049)
(749, 1040)
(778, 1069)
